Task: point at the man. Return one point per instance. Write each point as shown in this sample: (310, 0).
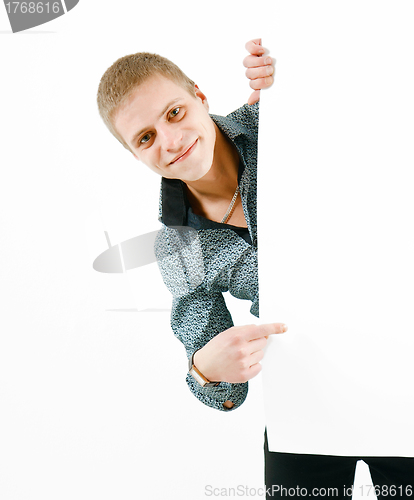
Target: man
(208, 169)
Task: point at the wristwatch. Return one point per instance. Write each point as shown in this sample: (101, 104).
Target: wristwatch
(197, 375)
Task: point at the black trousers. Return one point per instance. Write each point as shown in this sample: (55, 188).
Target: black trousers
(291, 475)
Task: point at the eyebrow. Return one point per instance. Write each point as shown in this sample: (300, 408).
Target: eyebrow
(135, 137)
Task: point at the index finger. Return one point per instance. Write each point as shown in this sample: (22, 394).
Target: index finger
(254, 47)
(266, 330)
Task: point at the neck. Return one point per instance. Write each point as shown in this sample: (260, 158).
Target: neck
(211, 195)
(221, 180)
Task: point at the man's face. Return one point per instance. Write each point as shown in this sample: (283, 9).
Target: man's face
(168, 129)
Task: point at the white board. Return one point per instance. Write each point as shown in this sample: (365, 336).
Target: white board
(336, 209)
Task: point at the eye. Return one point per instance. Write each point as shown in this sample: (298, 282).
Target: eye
(144, 139)
(174, 112)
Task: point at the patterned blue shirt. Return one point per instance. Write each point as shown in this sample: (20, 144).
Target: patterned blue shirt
(210, 258)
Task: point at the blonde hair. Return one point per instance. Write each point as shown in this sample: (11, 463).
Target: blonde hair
(125, 75)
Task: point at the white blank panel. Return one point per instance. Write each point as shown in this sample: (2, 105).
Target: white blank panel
(336, 213)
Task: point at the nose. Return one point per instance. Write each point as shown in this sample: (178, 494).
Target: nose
(170, 136)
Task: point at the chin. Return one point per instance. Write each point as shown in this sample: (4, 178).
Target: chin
(193, 175)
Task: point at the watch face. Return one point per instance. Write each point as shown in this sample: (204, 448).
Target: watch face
(198, 377)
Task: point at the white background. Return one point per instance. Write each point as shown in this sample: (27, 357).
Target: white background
(93, 400)
(93, 396)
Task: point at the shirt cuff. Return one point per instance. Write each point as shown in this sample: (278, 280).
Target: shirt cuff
(216, 396)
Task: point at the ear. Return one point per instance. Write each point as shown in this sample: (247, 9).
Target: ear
(201, 96)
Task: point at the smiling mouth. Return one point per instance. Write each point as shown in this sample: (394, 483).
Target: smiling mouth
(186, 153)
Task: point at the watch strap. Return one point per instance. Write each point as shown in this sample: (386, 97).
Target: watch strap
(197, 375)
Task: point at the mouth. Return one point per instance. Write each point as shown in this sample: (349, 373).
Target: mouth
(186, 153)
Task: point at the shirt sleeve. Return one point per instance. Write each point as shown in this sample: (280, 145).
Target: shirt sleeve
(195, 319)
(198, 314)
